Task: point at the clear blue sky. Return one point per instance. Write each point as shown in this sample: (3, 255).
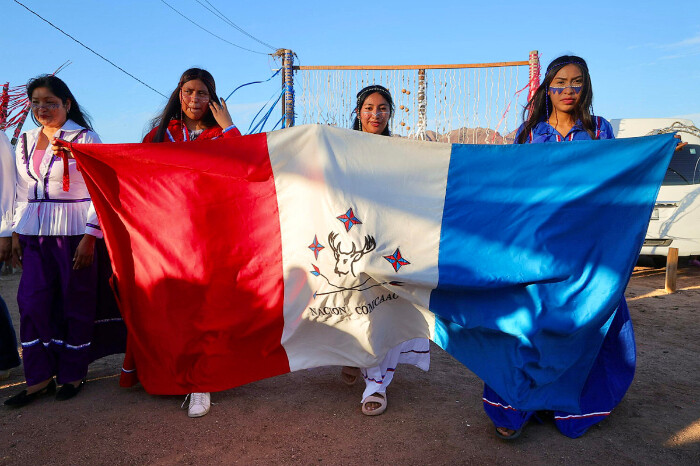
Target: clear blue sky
(644, 56)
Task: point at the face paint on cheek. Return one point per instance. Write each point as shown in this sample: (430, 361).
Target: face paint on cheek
(559, 90)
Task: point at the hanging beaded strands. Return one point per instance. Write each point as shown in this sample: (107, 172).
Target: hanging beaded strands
(463, 103)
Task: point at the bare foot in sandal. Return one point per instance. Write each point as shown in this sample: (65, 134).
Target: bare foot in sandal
(505, 432)
(349, 375)
(508, 434)
(374, 405)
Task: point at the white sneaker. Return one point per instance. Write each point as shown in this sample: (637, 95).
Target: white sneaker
(199, 404)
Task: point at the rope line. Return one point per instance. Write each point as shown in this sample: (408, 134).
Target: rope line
(223, 17)
(88, 48)
(208, 31)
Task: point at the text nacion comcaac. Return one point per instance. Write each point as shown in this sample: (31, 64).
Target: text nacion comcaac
(366, 308)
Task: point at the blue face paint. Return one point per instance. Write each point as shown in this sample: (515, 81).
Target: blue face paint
(560, 89)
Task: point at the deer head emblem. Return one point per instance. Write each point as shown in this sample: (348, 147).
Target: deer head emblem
(344, 260)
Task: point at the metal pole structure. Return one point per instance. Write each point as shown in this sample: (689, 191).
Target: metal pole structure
(534, 64)
(288, 80)
(422, 118)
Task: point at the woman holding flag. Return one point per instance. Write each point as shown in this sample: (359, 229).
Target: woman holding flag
(561, 110)
(55, 231)
(193, 112)
(373, 110)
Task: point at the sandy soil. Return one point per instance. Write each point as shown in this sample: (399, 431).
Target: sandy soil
(311, 417)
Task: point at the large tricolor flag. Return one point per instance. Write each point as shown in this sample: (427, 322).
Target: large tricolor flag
(241, 259)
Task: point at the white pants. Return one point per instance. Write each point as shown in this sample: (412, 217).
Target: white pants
(378, 378)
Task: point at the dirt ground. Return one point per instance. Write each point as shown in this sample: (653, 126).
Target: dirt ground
(311, 417)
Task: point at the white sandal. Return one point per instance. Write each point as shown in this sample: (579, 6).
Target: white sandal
(374, 398)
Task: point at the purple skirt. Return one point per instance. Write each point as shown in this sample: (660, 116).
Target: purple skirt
(62, 310)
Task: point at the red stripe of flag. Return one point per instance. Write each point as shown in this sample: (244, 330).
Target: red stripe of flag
(203, 302)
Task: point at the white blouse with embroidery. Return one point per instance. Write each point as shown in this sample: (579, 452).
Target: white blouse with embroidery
(42, 207)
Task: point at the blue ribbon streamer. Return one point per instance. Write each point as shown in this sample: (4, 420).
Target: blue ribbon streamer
(263, 120)
(253, 82)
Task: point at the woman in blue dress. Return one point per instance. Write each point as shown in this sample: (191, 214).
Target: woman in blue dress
(562, 110)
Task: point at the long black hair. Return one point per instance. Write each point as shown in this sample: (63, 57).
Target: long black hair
(362, 96)
(60, 90)
(540, 106)
(173, 109)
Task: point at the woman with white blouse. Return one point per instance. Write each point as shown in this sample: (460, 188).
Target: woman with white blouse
(55, 229)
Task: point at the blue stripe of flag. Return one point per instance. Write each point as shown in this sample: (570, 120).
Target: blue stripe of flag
(537, 246)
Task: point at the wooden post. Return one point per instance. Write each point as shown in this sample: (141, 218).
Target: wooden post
(534, 64)
(422, 119)
(280, 53)
(671, 269)
(288, 82)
